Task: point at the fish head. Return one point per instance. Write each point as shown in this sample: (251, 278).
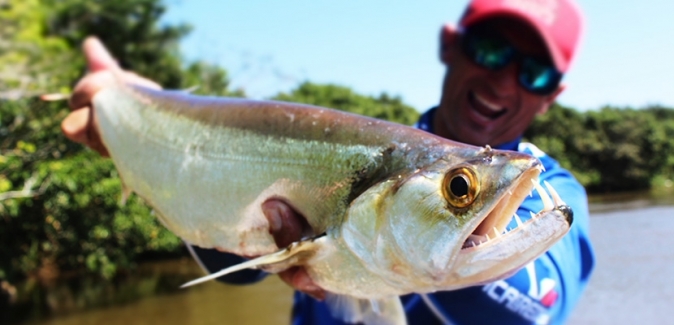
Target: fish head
(444, 224)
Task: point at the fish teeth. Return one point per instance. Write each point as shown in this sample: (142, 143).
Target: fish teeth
(554, 194)
(533, 215)
(547, 201)
(496, 232)
(518, 220)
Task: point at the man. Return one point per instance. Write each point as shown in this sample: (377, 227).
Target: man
(504, 66)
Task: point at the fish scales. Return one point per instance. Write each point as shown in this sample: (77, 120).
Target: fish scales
(242, 153)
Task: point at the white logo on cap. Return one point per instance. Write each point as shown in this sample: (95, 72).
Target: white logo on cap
(544, 10)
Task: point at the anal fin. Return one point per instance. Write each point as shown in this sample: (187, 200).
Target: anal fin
(385, 311)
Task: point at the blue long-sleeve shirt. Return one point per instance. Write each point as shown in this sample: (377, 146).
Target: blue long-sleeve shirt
(543, 292)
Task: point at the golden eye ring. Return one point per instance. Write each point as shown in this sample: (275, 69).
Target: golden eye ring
(460, 187)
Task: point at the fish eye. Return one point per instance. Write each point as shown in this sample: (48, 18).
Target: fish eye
(461, 187)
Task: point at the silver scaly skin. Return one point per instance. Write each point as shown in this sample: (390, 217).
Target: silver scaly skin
(393, 210)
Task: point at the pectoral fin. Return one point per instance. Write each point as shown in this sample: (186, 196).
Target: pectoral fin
(386, 311)
(295, 254)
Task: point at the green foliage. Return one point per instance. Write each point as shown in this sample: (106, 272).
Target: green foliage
(129, 28)
(59, 203)
(30, 63)
(383, 107)
(610, 149)
(208, 79)
(59, 206)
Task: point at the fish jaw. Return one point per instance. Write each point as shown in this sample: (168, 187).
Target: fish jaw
(502, 256)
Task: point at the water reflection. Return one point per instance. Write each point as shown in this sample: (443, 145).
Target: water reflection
(151, 296)
(631, 200)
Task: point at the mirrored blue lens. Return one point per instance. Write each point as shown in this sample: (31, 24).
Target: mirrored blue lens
(538, 77)
(494, 52)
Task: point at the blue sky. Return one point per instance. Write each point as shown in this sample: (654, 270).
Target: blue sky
(626, 56)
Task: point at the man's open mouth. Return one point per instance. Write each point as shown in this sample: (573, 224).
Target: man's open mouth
(484, 107)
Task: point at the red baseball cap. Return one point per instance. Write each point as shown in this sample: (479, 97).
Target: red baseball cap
(559, 22)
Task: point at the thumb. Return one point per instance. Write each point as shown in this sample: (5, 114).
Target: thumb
(98, 57)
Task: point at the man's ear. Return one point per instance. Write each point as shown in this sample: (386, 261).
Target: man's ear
(448, 38)
(550, 99)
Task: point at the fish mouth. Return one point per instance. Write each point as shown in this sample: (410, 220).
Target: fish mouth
(494, 227)
(492, 251)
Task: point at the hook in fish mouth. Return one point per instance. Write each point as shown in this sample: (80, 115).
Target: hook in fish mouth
(494, 226)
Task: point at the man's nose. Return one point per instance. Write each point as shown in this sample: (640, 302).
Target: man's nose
(504, 80)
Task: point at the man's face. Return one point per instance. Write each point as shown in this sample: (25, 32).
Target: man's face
(481, 106)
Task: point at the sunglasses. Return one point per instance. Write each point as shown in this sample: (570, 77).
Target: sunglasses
(490, 51)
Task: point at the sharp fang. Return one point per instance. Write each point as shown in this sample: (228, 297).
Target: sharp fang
(472, 243)
(533, 215)
(496, 232)
(487, 235)
(547, 201)
(554, 194)
(518, 220)
(510, 192)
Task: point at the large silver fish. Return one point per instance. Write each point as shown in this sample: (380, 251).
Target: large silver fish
(394, 210)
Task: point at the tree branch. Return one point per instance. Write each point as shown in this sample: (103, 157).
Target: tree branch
(26, 191)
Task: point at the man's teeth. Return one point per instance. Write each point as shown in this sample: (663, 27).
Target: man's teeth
(491, 106)
(549, 203)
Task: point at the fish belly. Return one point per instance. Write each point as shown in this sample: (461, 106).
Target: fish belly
(207, 182)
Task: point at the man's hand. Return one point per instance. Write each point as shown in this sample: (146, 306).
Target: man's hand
(78, 126)
(287, 226)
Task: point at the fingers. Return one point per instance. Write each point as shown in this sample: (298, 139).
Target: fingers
(298, 278)
(88, 86)
(98, 57)
(103, 72)
(288, 226)
(284, 224)
(76, 127)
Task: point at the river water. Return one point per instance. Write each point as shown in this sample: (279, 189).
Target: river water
(632, 235)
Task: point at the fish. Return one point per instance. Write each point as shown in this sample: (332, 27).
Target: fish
(392, 209)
